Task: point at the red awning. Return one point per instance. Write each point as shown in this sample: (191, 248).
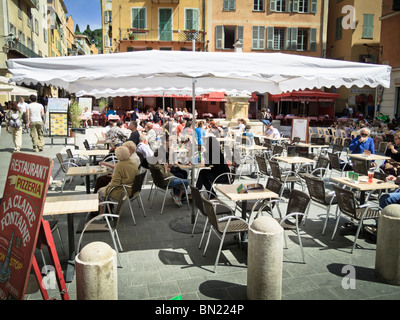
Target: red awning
(306, 95)
(214, 96)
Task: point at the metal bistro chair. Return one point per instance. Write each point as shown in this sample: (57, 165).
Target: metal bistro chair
(297, 207)
(220, 209)
(64, 166)
(284, 176)
(360, 166)
(348, 205)
(320, 196)
(262, 166)
(337, 164)
(134, 193)
(106, 222)
(222, 226)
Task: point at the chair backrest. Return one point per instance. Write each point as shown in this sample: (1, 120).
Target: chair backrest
(262, 164)
(346, 201)
(360, 166)
(209, 210)
(334, 160)
(322, 162)
(118, 210)
(274, 185)
(337, 148)
(267, 143)
(275, 169)
(296, 140)
(291, 151)
(316, 188)
(86, 144)
(343, 134)
(380, 175)
(298, 202)
(302, 152)
(198, 200)
(138, 184)
(277, 150)
(257, 141)
(69, 153)
(61, 160)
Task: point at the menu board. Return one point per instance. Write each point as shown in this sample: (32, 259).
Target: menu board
(20, 217)
(57, 105)
(58, 125)
(300, 129)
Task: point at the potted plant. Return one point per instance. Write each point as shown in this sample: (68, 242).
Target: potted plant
(74, 112)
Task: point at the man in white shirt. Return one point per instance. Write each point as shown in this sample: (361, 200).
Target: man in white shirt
(272, 132)
(144, 151)
(34, 116)
(151, 136)
(22, 105)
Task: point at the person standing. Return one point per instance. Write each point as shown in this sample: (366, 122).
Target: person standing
(2, 116)
(14, 124)
(22, 105)
(34, 115)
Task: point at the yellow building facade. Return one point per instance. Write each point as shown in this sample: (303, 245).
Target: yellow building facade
(150, 24)
(354, 35)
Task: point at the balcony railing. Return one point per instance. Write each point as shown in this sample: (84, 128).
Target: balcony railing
(135, 34)
(20, 48)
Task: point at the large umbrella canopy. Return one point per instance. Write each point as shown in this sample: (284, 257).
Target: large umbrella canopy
(12, 89)
(158, 72)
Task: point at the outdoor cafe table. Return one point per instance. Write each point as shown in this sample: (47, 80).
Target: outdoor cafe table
(230, 191)
(311, 146)
(293, 161)
(70, 205)
(367, 158)
(87, 172)
(93, 153)
(363, 186)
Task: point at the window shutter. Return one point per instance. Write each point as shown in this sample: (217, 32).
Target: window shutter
(293, 38)
(314, 6)
(195, 19)
(290, 6)
(313, 39)
(239, 33)
(225, 5)
(270, 38)
(189, 19)
(105, 16)
(288, 39)
(261, 37)
(219, 37)
(368, 26)
(255, 37)
(272, 5)
(295, 7)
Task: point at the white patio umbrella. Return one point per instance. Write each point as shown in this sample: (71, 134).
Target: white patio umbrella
(185, 72)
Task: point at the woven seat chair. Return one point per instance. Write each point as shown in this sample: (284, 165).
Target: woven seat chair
(222, 226)
(348, 205)
(220, 208)
(320, 196)
(297, 207)
(360, 166)
(262, 166)
(284, 176)
(337, 164)
(267, 205)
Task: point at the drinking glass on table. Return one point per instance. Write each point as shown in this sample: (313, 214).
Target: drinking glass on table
(370, 176)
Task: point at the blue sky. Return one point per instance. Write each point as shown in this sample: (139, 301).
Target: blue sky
(85, 12)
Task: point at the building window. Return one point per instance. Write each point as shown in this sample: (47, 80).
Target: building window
(258, 38)
(302, 40)
(107, 17)
(396, 5)
(368, 26)
(192, 19)
(338, 35)
(226, 36)
(279, 38)
(229, 5)
(280, 6)
(258, 5)
(303, 6)
(139, 18)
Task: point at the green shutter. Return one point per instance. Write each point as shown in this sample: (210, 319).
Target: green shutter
(219, 34)
(368, 26)
(295, 7)
(293, 38)
(289, 39)
(189, 19)
(270, 38)
(313, 39)
(314, 6)
(225, 5)
(272, 5)
(239, 33)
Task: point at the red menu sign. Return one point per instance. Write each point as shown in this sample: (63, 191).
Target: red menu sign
(20, 217)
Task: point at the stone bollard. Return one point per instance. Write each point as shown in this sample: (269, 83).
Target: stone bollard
(387, 259)
(265, 260)
(96, 272)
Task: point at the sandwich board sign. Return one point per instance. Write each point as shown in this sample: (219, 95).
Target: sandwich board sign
(21, 212)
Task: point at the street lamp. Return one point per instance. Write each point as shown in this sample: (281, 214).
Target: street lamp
(377, 48)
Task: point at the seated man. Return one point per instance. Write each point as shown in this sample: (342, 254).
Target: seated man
(393, 197)
(88, 121)
(272, 132)
(143, 150)
(363, 142)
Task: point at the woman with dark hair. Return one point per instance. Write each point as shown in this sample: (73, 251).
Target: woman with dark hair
(218, 165)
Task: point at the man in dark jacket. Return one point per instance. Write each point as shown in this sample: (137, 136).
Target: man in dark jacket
(135, 135)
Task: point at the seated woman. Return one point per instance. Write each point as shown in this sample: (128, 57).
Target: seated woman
(217, 165)
(125, 171)
(393, 151)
